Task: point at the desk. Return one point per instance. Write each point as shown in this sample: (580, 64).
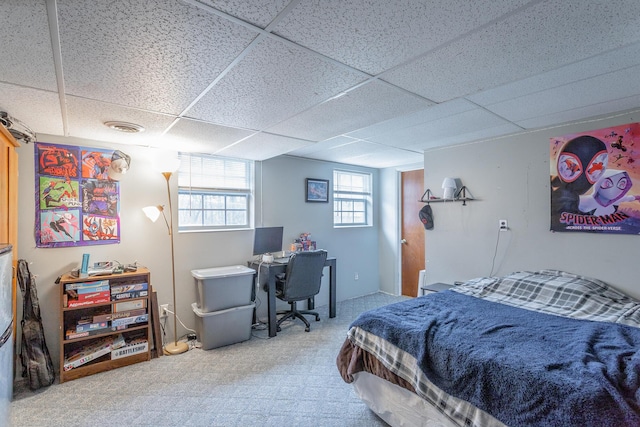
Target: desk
(267, 274)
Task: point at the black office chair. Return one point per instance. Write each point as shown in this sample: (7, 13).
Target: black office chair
(300, 282)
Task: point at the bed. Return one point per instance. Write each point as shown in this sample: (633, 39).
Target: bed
(544, 348)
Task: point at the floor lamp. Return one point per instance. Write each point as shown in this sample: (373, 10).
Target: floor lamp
(153, 212)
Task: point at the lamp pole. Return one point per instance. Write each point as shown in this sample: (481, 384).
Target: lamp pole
(175, 347)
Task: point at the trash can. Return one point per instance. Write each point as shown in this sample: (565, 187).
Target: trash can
(220, 288)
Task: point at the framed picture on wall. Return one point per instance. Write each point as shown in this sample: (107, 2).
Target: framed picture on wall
(317, 190)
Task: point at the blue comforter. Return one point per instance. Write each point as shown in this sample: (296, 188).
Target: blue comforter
(523, 367)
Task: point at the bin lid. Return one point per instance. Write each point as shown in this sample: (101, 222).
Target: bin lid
(200, 313)
(217, 272)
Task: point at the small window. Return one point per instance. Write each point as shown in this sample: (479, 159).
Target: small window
(214, 192)
(352, 199)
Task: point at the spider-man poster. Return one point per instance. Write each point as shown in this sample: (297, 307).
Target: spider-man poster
(76, 202)
(595, 181)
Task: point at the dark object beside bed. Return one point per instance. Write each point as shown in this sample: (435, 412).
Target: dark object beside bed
(555, 362)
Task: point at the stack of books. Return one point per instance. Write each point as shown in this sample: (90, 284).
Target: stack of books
(86, 293)
(93, 351)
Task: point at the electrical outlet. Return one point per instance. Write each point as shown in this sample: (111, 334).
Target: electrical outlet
(163, 310)
(502, 224)
(356, 277)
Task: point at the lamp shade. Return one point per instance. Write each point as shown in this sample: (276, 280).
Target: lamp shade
(152, 212)
(449, 186)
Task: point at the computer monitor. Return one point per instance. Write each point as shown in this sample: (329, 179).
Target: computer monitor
(267, 240)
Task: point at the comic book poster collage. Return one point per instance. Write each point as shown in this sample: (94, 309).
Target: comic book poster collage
(595, 181)
(76, 203)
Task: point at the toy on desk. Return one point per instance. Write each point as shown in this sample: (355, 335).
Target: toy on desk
(304, 243)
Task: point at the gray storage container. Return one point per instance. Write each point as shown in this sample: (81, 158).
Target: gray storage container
(220, 288)
(223, 327)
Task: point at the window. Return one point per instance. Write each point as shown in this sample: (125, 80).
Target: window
(352, 198)
(214, 192)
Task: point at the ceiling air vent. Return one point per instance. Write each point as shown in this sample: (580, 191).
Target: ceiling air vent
(125, 127)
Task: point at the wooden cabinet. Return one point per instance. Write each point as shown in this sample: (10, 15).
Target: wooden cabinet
(104, 322)
(9, 204)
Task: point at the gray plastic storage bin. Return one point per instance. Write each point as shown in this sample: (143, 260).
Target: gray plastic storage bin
(223, 327)
(220, 288)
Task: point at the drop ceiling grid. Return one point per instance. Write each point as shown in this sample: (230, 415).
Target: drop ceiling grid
(541, 38)
(370, 103)
(27, 58)
(157, 58)
(259, 13)
(376, 35)
(273, 82)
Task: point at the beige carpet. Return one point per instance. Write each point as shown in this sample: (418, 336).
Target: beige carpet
(290, 379)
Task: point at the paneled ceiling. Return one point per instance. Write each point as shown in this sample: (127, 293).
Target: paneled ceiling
(366, 82)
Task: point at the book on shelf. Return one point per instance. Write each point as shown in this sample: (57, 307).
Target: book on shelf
(106, 317)
(129, 349)
(131, 287)
(71, 333)
(98, 326)
(88, 299)
(84, 285)
(89, 290)
(129, 305)
(122, 323)
(129, 295)
(92, 351)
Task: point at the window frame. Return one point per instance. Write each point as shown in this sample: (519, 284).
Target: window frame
(341, 197)
(216, 190)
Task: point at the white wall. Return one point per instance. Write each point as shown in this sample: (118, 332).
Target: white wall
(280, 201)
(510, 177)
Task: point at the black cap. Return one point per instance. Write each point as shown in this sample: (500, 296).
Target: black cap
(426, 216)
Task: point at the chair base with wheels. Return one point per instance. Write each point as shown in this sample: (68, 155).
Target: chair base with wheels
(294, 312)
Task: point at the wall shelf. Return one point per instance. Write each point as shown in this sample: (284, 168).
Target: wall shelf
(460, 196)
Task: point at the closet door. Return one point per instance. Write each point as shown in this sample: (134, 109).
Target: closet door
(9, 202)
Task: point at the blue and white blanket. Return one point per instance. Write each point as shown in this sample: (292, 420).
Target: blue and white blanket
(521, 366)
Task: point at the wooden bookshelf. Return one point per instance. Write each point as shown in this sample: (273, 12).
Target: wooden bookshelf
(72, 317)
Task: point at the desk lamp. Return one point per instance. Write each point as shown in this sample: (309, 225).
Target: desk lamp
(153, 212)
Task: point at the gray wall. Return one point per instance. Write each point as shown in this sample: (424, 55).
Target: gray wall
(280, 201)
(510, 177)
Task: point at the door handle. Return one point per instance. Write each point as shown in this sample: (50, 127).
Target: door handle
(403, 241)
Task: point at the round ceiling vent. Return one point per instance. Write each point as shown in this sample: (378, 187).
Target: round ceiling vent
(125, 127)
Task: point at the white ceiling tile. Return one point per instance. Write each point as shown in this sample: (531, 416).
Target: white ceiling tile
(579, 94)
(259, 13)
(370, 103)
(156, 55)
(262, 146)
(543, 37)
(201, 137)
(27, 57)
(273, 82)
(375, 35)
(429, 133)
(37, 109)
(369, 154)
(598, 109)
(432, 113)
(619, 59)
(322, 145)
(489, 132)
(86, 120)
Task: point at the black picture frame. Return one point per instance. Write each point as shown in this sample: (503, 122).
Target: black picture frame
(317, 190)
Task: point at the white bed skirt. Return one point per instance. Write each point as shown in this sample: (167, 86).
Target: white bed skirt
(397, 406)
